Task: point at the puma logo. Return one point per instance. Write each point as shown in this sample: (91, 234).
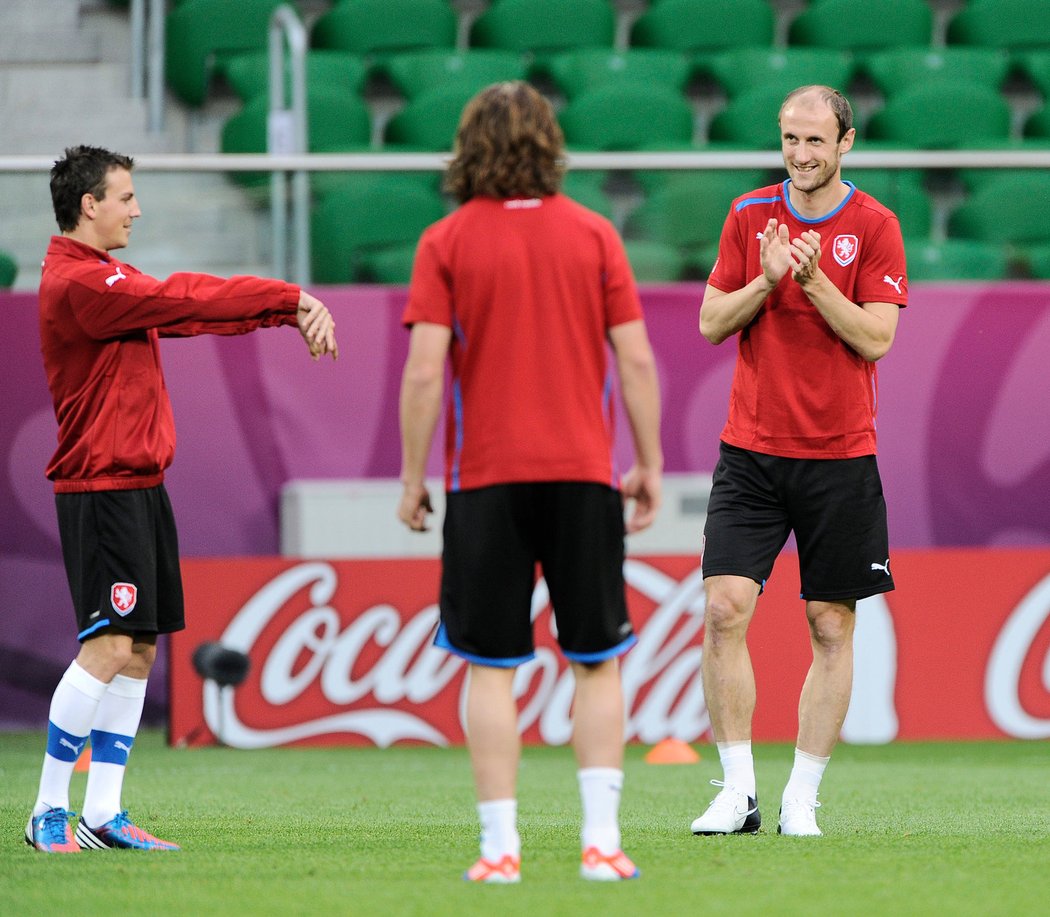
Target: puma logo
(119, 275)
(885, 568)
(75, 748)
(896, 284)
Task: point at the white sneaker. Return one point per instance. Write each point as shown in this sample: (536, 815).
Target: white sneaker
(731, 812)
(798, 818)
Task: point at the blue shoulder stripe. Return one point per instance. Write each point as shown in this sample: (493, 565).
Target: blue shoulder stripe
(748, 201)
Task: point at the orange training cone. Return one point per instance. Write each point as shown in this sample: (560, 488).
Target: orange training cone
(672, 751)
(84, 761)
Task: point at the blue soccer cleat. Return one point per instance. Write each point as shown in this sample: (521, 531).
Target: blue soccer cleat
(50, 832)
(119, 833)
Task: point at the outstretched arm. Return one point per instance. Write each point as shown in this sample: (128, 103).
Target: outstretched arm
(641, 395)
(422, 388)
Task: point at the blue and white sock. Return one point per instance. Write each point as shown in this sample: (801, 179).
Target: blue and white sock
(112, 736)
(73, 708)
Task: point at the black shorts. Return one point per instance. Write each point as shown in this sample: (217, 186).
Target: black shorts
(493, 539)
(835, 508)
(121, 553)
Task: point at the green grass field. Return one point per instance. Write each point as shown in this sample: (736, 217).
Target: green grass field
(941, 828)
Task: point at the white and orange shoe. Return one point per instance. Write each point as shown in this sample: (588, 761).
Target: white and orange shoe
(506, 871)
(598, 867)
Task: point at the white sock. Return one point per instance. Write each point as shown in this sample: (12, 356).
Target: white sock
(499, 829)
(600, 789)
(73, 707)
(805, 777)
(112, 735)
(738, 766)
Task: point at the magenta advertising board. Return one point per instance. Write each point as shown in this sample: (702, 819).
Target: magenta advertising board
(964, 435)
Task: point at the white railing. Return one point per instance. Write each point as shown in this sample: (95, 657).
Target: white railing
(303, 163)
(430, 162)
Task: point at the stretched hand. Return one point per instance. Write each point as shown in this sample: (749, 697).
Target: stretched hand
(317, 326)
(415, 507)
(644, 486)
(805, 256)
(774, 251)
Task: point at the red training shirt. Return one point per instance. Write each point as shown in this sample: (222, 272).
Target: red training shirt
(799, 391)
(100, 321)
(530, 288)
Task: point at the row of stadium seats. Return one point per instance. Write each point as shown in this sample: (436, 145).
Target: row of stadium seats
(365, 227)
(203, 36)
(630, 115)
(642, 96)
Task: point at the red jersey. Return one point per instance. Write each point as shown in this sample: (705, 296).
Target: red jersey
(530, 288)
(799, 391)
(100, 321)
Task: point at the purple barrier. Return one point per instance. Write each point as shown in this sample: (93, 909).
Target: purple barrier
(964, 436)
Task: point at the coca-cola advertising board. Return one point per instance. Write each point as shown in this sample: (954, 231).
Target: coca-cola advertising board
(341, 653)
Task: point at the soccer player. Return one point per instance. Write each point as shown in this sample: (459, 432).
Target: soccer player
(810, 278)
(523, 289)
(100, 321)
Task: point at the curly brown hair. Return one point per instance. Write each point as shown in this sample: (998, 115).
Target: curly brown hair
(508, 144)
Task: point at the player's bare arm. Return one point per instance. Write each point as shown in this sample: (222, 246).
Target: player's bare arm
(317, 326)
(724, 313)
(422, 390)
(640, 389)
(869, 328)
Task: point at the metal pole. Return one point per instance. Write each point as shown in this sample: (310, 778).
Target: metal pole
(138, 49)
(156, 66)
(287, 134)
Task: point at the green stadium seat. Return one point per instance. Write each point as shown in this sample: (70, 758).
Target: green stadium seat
(379, 27)
(899, 69)
(545, 27)
(731, 182)
(588, 188)
(749, 121)
(702, 28)
(1006, 209)
(955, 259)
(370, 233)
(249, 74)
(686, 215)
(655, 262)
(863, 25)
(743, 69)
(1012, 24)
(1035, 65)
(201, 34)
(943, 116)
(626, 116)
(1037, 125)
(901, 190)
(429, 121)
(416, 72)
(1037, 261)
(8, 270)
(575, 72)
(336, 122)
